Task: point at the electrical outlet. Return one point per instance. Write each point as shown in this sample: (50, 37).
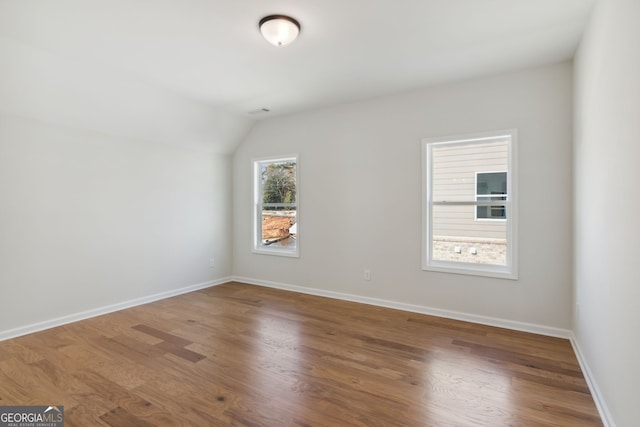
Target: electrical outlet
(211, 263)
(366, 275)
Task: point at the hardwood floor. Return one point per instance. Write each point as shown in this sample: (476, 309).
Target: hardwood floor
(237, 354)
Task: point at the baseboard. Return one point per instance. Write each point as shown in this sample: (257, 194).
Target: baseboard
(474, 318)
(40, 326)
(603, 409)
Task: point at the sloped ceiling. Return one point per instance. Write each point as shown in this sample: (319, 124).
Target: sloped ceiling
(189, 72)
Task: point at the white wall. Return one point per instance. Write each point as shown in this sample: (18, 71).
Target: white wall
(88, 220)
(88, 94)
(360, 195)
(607, 202)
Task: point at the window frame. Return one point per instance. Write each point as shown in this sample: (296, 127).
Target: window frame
(256, 207)
(510, 270)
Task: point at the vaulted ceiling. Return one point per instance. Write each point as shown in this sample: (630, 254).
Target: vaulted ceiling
(190, 72)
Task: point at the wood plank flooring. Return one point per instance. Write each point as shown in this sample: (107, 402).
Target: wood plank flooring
(237, 354)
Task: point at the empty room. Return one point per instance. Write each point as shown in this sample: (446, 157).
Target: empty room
(330, 213)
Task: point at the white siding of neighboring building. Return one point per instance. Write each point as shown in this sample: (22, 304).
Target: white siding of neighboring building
(454, 179)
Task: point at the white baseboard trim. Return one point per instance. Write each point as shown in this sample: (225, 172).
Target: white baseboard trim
(41, 326)
(603, 409)
(474, 318)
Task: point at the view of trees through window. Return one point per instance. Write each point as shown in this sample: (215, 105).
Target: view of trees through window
(278, 204)
(279, 184)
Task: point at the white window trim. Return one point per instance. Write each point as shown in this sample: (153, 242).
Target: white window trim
(257, 218)
(510, 271)
(475, 213)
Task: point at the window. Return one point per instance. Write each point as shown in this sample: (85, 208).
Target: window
(469, 204)
(491, 186)
(275, 195)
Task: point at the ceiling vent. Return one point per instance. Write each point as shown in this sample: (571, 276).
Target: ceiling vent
(259, 111)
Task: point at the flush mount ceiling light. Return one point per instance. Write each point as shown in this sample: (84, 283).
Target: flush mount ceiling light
(279, 30)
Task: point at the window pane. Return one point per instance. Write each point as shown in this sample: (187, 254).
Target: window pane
(279, 228)
(492, 183)
(278, 181)
(491, 212)
(457, 236)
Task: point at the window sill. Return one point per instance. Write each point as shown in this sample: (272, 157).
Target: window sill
(472, 270)
(277, 252)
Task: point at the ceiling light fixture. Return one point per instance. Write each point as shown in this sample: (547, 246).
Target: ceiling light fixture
(279, 30)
